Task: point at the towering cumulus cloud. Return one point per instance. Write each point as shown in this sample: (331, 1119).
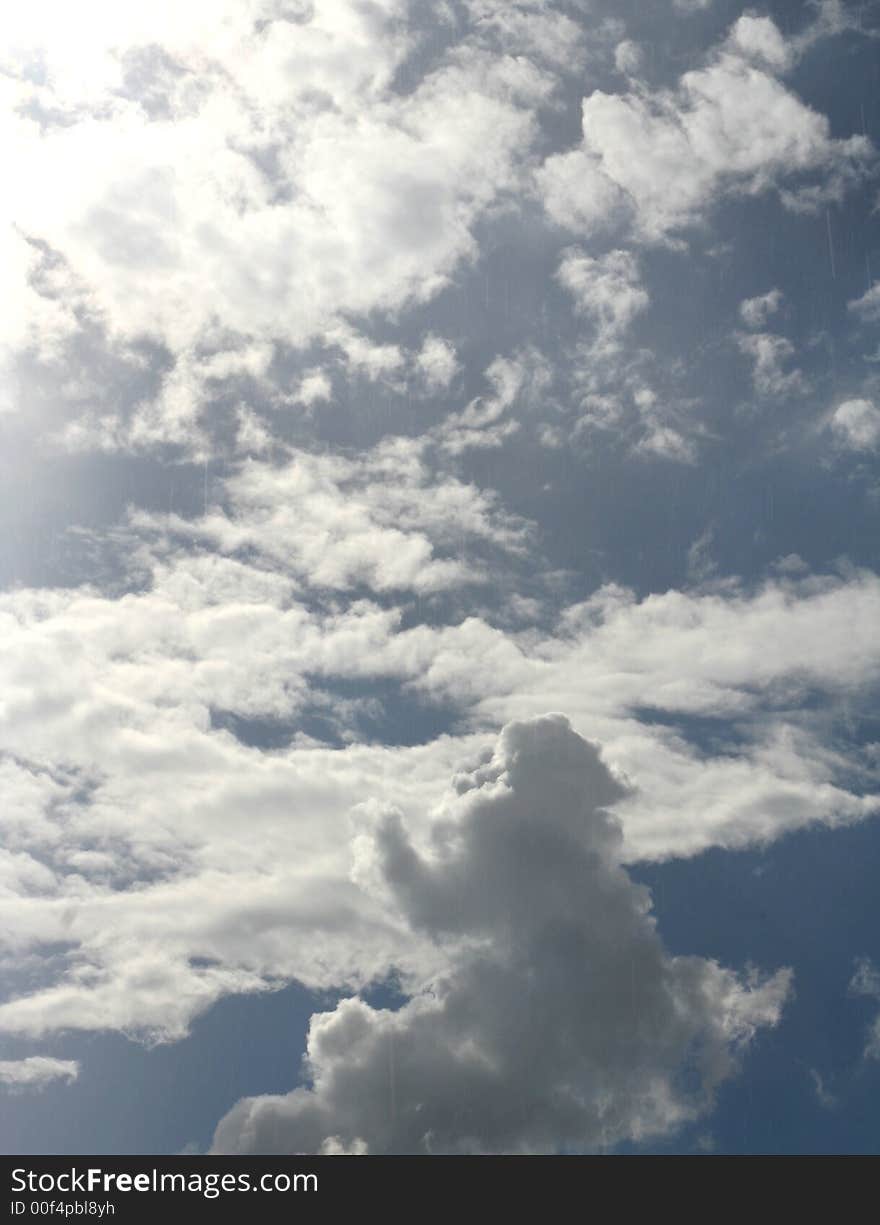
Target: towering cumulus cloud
(558, 1020)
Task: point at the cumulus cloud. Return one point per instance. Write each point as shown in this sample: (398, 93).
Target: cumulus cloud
(559, 1020)
(770, 354)
(436, 363)
(226, 173)
(657, 161)
(755, 312)
(855, 425)
(759, 38)
(36, 1072)
(529, 27)
(628, 57)
(314, 388)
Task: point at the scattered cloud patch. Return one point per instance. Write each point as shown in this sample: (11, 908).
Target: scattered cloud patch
(770, 355)
(35, 1072)
(755, 312)
(656, 162)
(855, 425)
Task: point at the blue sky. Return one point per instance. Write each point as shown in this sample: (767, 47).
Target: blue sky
(440, 488)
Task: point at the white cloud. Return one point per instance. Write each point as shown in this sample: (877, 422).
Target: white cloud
(252, 437)
(578, 195)
(856, 425)
(759, 38)
(607, 289)
(529, 27)
(755, 312)
(867, 307)
(42, 315)
(723, 655)
(36, 1072)
(337, 523)
(273, 192)
(667, 443)
(224, 210)
(366, 358)
(314, 388)
(520, 380)
(436, 363)
(558, 1020)
(660, 160)
(769, 355)
(176, 863)
(700, 562)
(628, 57)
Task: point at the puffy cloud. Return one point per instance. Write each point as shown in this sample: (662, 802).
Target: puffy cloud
(36, 1072)
(173, 825)
(335, 523)
(769, 355)
(867, 307)
(314, 388)
(659, 160)
(224, 210)
(522, 379)
(366, 358)
(558, 1022)
(579, 195)
(628, 57)
(436, 363)
(529, 27)
(607, 289)
(856, 425)
(621, 391)
(755, 312)
(225, 173)
(738, 659)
